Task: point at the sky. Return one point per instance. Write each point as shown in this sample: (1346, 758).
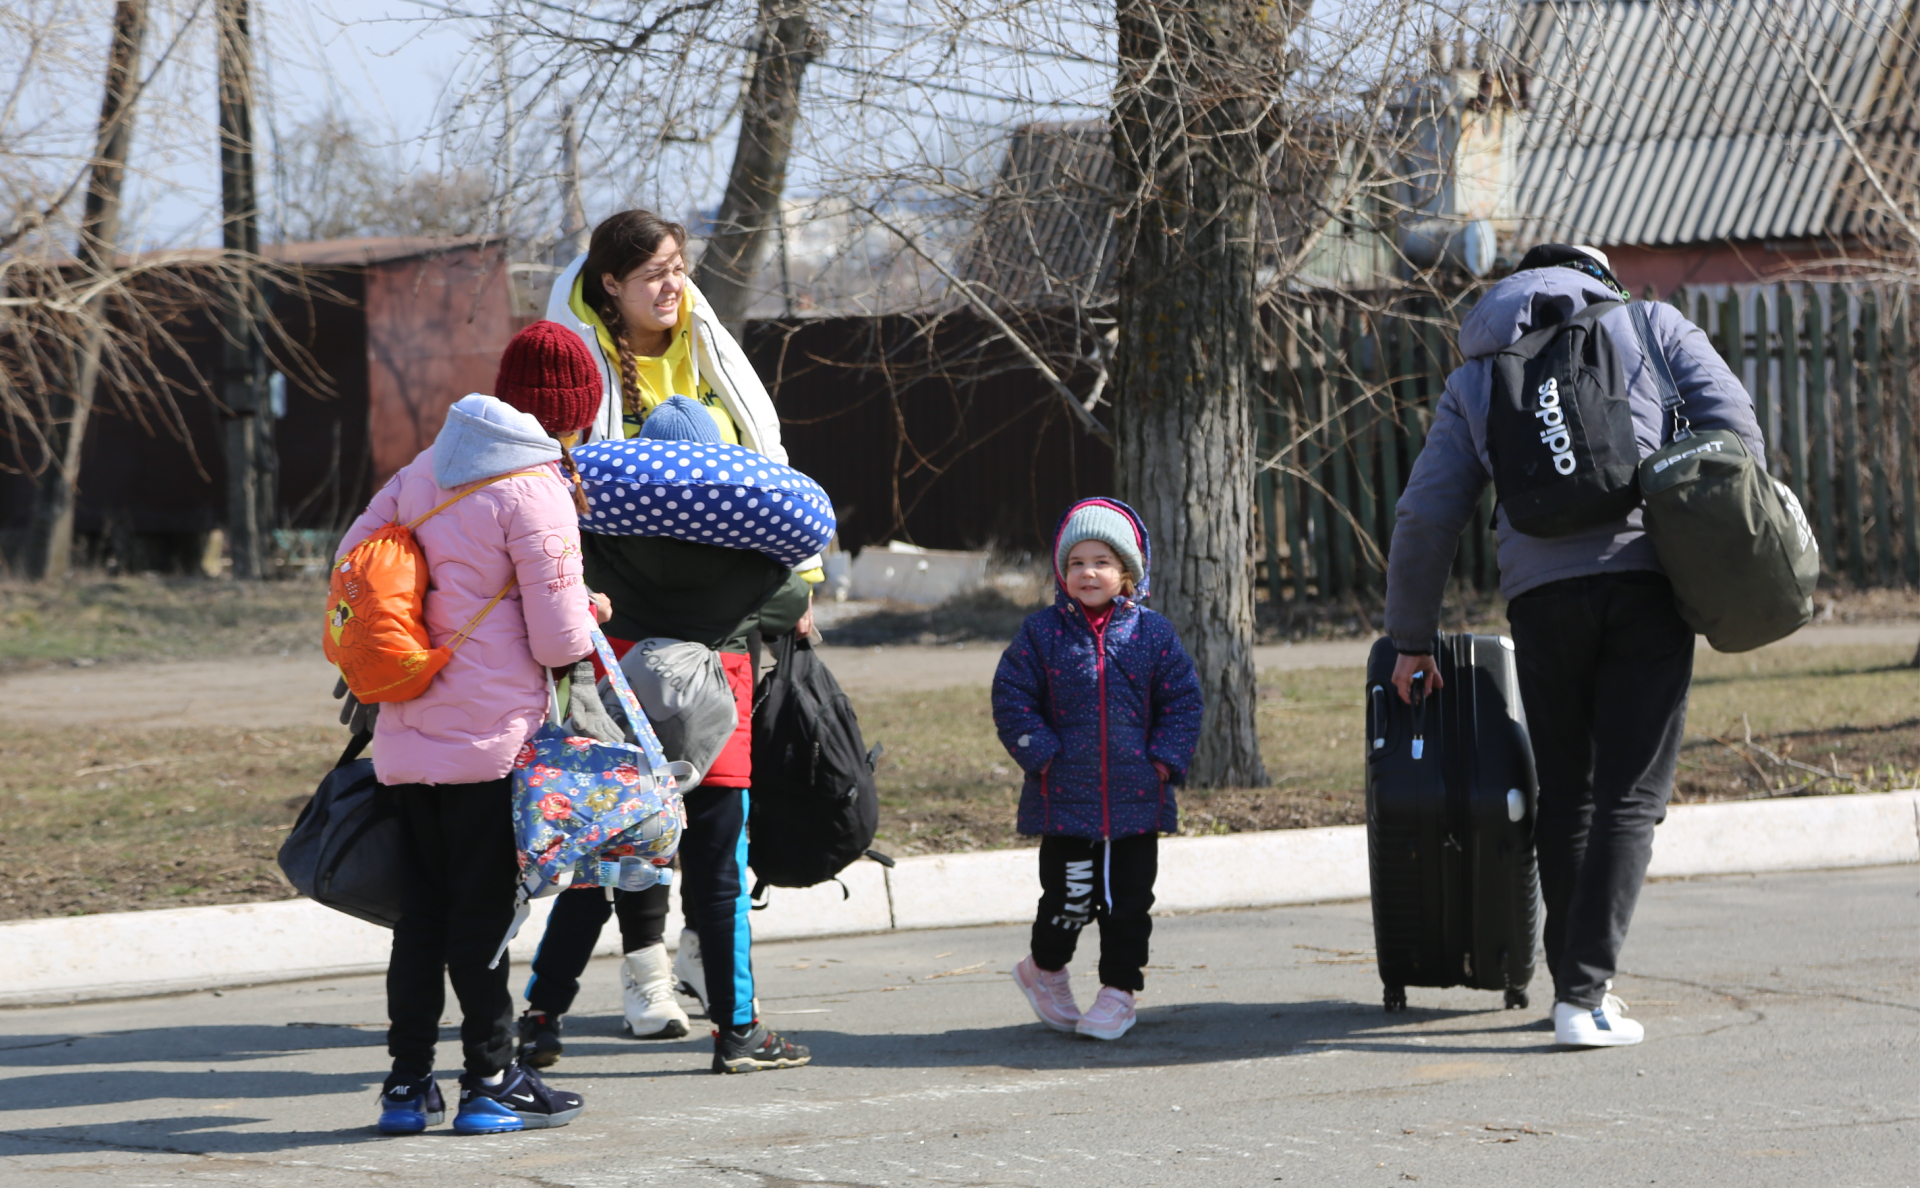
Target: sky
(363, 58)
(396, 68)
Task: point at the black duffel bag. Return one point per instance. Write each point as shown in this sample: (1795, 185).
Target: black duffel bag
(347, 850)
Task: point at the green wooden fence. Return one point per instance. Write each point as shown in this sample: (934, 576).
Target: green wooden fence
(1347, 403)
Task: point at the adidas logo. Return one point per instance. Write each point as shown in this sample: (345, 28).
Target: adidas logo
(1555, 436)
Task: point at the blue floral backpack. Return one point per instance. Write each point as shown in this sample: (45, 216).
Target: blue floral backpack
(588, 813)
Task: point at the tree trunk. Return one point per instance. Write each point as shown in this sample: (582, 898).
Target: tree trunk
(575, 235)
(50, 545)
(1188, 121)
(750, 209)
(249, 445)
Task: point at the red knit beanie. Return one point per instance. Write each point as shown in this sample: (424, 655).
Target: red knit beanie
(547, 372)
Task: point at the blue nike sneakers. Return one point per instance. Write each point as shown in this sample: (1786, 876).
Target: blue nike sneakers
(409, 1105)
(521, 1101)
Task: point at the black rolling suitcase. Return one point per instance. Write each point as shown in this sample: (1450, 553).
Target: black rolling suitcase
(1450, 810)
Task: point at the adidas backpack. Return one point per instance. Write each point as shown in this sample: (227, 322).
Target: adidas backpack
(1560, 429)
(814, 807)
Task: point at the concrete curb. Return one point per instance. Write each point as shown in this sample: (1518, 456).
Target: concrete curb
(127, 954)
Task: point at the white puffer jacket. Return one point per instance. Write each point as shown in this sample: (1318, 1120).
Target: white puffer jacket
(717, 358)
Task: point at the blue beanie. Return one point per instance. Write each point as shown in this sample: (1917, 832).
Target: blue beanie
(682, 418)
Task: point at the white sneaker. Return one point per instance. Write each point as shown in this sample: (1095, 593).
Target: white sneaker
(646, 976)
(688, 971)
(1604, 1026)
(1049, 993)
(1110, 1017)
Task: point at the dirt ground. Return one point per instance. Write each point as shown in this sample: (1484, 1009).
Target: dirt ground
(157, 739)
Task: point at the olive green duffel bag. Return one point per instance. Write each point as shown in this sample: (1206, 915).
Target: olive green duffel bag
(1734, 542)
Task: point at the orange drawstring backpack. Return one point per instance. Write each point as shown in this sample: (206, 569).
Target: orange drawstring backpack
(376, 631)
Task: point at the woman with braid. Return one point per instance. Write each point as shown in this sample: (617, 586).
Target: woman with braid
(669, 370)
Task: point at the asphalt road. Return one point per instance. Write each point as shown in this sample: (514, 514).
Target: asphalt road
(1782, 1013)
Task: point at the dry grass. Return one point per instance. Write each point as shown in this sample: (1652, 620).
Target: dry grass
(131, 820)
(89, 620)
(136, 820)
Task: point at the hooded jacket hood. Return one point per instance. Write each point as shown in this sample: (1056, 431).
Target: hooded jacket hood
(1524, 302)
(484, 437)
(1146, 547)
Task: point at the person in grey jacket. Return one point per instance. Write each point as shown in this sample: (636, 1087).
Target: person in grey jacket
(1605, 660)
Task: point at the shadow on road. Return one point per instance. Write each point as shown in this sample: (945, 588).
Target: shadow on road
(198, 1063)
(1178, 1034)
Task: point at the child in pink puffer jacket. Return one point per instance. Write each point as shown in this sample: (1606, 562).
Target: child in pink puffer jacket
(447, 754)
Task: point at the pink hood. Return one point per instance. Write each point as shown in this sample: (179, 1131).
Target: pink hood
(469, 724)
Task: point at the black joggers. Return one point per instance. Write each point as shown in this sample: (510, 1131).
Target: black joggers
(456, 913)
(1606, 663)
(1108, 881)
(714, 899)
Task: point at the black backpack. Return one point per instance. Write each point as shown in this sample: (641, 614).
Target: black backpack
(814, 804)
(348, 850)
(1560, 429)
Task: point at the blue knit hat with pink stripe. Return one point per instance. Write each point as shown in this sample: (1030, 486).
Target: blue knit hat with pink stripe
(1109, 522)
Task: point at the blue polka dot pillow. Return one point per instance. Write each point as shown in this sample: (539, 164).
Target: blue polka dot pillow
(709, 494)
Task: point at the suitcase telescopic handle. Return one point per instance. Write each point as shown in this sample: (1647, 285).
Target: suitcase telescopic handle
(1418, 689)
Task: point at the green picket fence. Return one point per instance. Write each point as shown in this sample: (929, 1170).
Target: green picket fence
(1345, 409)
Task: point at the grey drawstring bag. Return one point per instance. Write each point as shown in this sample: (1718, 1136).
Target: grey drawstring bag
(683, 688)
(1735, 543)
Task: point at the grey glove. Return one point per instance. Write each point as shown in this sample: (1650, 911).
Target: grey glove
(589, 717)
(355, 715)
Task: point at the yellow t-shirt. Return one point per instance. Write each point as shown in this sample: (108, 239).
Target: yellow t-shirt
(660, 376)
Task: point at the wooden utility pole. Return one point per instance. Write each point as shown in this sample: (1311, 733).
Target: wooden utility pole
(50, 545)
(751, 207)
(251, 459)
(1190, 125)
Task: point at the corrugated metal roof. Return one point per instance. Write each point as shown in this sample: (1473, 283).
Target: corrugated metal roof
(1661, 123)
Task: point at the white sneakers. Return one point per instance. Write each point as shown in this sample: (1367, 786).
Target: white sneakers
(1050, 994)
(1110, 1017)
(1604, 1026)
(646, 976)
(688, 970)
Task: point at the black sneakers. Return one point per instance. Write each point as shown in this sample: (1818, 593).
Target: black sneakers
(754, 1048)
(521, 1101)
(540, 1045)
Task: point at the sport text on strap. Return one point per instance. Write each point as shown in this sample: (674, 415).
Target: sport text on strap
(1670, 401)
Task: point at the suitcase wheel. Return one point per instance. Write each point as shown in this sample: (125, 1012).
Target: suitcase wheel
(1516, 1000)
(1396, 998)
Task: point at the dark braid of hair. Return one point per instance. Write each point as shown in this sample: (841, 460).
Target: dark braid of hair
(620, 244)
(573, 472)
(629, 370)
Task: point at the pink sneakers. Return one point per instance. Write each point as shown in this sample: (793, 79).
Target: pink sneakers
(1110, 1017)
(1049, 993)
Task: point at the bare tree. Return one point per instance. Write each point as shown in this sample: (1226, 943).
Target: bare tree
(751, 207)
(337, 184)
(1193, 111)
(50, 543)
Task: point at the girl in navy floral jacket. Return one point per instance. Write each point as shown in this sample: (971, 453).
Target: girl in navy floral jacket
(1098, 703)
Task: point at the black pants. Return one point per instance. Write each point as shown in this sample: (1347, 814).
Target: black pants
(1606, 663)
(713, 898)
(1111, 882)
(456, 913)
